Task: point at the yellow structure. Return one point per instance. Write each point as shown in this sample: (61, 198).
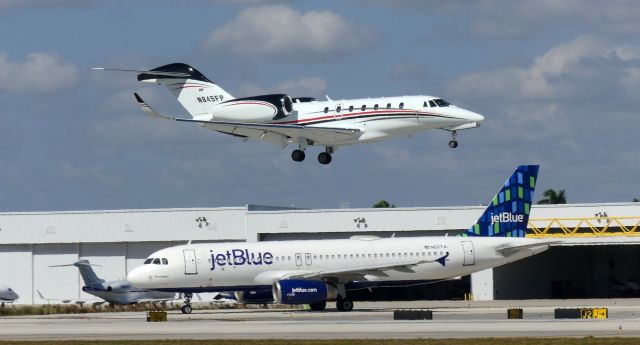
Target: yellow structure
(584, 227)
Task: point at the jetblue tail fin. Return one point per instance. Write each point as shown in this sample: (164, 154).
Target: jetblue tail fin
(508, 213)
(196, 93)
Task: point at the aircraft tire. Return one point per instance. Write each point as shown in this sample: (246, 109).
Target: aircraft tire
(320, 306)
(324, 158)
(453, 144)
(297, 155)
(186, 309)
(344, 304)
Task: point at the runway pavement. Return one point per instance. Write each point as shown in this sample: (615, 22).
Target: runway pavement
(369, 320)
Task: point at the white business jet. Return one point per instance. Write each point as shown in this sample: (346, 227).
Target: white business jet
(303, 121)
(7, 294)
(316, 271)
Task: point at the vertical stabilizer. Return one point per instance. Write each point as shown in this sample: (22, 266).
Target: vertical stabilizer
(197, 94)
(88, 274)
(508, 212)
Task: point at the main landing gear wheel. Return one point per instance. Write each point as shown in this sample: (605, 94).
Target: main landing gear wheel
(320, 306)
(297, 155)
(344, 304)
(186, 309)
(324, 158)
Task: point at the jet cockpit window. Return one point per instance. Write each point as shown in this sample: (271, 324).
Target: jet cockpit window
(156, 261)
(441, 102)
(425, 105)
(432, 104)
(165, 261)
(148, 261)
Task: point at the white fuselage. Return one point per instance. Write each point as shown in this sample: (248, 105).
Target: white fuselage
(376, 118)
(241, 266)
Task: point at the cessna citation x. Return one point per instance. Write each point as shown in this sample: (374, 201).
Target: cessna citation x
(303, 121)
(316, 271)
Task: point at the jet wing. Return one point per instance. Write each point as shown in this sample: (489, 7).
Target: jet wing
(356, 273)
(281, 134)
(510, 250)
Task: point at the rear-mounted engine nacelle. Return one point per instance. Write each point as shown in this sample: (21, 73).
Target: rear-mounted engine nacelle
(303, 292)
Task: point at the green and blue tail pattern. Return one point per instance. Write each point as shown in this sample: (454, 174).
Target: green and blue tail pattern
(508, 213)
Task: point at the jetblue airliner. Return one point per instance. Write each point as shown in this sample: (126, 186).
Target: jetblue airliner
(316, 271)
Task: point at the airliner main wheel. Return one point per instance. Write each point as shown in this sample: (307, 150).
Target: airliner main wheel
(453, 144)
(186, 309)
(297, 155)
(324, 158)
(320, 306)
(344, 304)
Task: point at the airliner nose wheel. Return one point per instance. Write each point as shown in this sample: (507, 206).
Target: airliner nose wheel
(186, 308)
(297, 155)
(453, 143)
(344, 304)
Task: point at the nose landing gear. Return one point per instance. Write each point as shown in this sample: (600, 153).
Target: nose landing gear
(186, 308)
(453, 143)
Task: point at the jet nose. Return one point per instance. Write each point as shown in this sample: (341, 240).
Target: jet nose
(475, 116)
(138, 277)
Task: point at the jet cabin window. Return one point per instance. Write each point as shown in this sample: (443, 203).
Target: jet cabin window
(350, 108)
(401, 105)
(363, 108)
(326, 110)
(338, 109)
(375, 107)
(388, 105)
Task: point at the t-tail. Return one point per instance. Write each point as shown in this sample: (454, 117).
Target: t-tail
(508, 213)
(88, 274)
(197, 94)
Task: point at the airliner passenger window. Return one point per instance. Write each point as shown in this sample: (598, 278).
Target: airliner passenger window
(401, 105)
(326, 110)
(156, 261)
(375, 107)
(388, 105)
(338, 109)
(432, 104)
(165, 261)
(350, 108)
(364, 107)
(441, 102)
(148, 261)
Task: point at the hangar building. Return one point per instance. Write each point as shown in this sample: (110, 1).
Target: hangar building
(598, 253)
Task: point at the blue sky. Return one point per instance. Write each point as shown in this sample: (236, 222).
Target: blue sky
(557, 82)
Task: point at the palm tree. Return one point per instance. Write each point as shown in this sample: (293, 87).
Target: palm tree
(553, 197)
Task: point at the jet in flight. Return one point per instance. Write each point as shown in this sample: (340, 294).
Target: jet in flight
(303, 121)
(316, 271)
(115, 291)
(7, 294)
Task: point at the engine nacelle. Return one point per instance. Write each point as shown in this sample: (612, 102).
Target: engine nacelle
(254, 297)
(303, 292)
(255, 109)
(118, 287)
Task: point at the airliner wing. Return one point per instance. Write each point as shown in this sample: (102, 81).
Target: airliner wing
(354, 273)
(510, 250)
(281, 134)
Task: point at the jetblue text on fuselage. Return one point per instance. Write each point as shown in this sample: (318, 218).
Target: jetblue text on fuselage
(239, 257)
(506, 217)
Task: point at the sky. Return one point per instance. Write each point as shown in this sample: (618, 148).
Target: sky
(557, 82)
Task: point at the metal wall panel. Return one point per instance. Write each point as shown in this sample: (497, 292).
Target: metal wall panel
(55, 282)
(15, 270)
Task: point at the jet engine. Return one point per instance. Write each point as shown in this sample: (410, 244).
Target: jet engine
(254, 297)
(303, 292)
(118, 287)
(255, 108)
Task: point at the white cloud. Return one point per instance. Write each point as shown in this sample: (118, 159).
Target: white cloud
(40, 72)
(586, 66)
(278, 31)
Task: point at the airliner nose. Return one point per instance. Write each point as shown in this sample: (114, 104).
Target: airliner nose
(138, 276)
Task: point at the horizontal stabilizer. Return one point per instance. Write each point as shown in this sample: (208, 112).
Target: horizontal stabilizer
(149, 111)
(153, 73)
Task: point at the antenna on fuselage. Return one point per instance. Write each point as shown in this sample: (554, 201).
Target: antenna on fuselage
(328, 98)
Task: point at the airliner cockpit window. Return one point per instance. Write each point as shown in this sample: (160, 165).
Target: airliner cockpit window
(432, 104)
(441, 102)
(165, 261)
(148, 261)
(156, 261)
